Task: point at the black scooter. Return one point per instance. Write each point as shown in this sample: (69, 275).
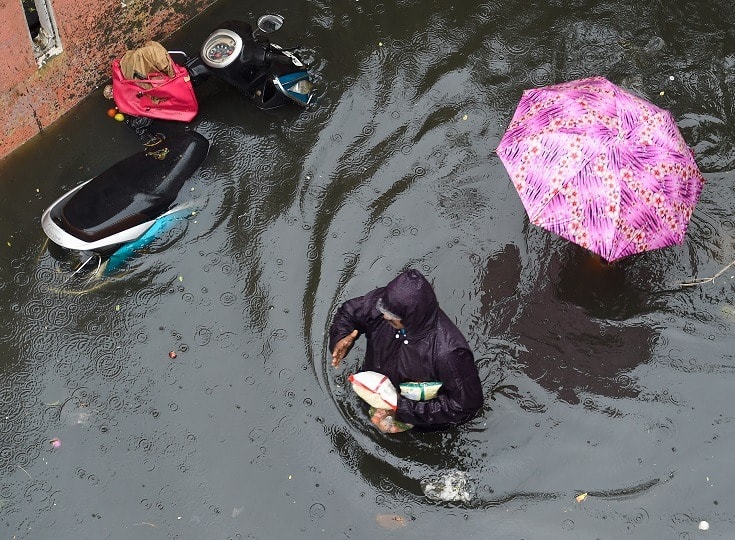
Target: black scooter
(267, 73)
(100, 223)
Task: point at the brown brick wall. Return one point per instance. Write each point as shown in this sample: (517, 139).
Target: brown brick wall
(92, 33)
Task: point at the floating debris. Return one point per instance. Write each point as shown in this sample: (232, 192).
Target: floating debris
(579, 498)
(703, 525)
(654, 44)
(55, 442)
(390, 521)
(172, 354)
(452, 486)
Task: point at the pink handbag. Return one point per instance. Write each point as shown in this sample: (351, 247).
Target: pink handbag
(159, 96)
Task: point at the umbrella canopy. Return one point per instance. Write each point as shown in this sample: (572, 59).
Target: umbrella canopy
(601, 167)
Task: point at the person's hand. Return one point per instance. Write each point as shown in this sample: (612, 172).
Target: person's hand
(342, 347)
(384, 420)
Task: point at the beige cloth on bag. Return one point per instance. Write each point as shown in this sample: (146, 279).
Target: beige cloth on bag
(152, 57)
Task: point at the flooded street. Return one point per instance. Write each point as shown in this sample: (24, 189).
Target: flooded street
(608, 409)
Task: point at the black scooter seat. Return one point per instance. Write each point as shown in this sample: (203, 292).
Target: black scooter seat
(135, 190)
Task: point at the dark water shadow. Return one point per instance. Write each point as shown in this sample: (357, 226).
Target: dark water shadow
(580, 324)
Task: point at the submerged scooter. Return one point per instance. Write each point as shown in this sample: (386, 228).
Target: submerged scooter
(270, 75)
(101, 222)
(267, 73)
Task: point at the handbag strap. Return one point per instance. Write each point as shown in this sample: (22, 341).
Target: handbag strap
(157, 84)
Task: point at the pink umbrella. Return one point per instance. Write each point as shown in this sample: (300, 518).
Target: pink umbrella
(601, 167)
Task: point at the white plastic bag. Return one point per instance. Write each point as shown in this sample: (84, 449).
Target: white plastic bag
(376, 389)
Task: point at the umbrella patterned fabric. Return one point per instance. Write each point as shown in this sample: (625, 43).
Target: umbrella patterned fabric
(601, 167)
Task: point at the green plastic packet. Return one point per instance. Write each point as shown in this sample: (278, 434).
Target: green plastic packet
(420, 391)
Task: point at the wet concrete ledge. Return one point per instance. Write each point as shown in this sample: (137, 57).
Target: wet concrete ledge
(91, 34)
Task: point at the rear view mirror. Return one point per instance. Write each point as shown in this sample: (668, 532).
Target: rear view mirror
(270, 23)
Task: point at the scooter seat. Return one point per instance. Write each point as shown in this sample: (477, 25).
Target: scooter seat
(135, 190)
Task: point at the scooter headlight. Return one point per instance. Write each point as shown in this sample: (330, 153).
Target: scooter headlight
(296, 86)
(304, 86)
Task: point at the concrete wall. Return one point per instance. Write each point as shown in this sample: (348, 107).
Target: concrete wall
(92, 33)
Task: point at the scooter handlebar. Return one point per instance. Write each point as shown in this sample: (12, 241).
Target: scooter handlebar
(277, 58)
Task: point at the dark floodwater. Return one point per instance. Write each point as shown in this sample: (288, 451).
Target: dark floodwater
(612, 382)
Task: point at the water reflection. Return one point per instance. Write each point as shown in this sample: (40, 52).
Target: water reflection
(573, 325)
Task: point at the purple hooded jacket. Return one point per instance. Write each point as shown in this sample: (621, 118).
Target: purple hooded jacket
(432, 349)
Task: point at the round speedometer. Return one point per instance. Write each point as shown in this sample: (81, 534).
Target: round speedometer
(221, 48)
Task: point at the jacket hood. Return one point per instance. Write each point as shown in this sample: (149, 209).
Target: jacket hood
(411, 297)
